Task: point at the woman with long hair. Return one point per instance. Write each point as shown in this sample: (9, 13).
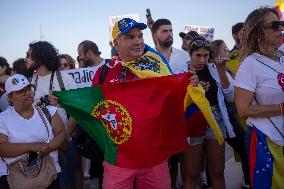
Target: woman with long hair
(260, 96)
(66, 62)
(218, 86)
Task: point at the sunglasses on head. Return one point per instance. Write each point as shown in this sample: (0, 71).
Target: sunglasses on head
(275, 25)
(25, 89)
(200, 43)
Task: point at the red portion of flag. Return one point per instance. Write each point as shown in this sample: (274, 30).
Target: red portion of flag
(196, 122)
(156, 107)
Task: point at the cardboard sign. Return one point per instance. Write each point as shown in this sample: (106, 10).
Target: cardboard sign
(204, 31)
(113, 19)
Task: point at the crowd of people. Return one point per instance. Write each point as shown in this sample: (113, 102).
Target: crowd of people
(244, 88)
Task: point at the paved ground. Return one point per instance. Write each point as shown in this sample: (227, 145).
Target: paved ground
(233, 173)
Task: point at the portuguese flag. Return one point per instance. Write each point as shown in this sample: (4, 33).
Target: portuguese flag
(136, 123)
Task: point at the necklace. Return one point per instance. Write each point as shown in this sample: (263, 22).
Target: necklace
(280, 76)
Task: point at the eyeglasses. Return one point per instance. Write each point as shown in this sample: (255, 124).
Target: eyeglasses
(25, 89)
(275, 25)
(200, 43)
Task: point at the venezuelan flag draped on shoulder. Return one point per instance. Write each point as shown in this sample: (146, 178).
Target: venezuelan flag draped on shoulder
(142, 122)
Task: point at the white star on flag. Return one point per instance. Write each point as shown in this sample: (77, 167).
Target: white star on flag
(111, 118)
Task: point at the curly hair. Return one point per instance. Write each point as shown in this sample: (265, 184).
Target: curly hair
(3, 63)
(253, 31)
(44, 53)
(69, 59)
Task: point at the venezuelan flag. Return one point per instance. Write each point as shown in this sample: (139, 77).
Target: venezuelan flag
(266, 161)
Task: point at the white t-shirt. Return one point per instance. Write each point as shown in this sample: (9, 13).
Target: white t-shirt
(262, 80)
(179, 61)
(21, 130)
(42, 88)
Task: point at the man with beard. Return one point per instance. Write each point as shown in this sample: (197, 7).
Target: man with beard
(163, 35)
(42, 59)
(234, 63)
(89, 54)
(178, 61)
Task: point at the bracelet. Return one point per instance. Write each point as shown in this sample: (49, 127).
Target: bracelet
(281, 109)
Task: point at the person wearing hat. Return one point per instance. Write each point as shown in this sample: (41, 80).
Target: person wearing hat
(187, 38)
(22, 130)
(129, 43)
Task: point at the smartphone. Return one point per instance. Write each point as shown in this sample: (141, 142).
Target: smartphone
(33, 159)
(148, 15)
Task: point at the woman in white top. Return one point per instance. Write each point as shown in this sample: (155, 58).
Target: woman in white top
(22, 131)
(260, 96)
(218, 87)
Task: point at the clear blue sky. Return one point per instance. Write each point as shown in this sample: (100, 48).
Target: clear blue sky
(65, 23)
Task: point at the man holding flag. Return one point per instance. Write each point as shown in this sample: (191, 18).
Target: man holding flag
(137, 124)
(128, 39)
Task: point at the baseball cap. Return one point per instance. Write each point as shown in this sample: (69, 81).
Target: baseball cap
(123, 26)
(191, 34)
(15, 83)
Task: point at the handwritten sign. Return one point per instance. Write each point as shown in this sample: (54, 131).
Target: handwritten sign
(83, 76)
(204, 31)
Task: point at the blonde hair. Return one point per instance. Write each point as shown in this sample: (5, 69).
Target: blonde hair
(253, 31)
(69, 59)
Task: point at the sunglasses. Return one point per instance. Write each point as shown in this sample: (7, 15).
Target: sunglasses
(25, 89)
(64, 65)
(200, 43)
(275, 25)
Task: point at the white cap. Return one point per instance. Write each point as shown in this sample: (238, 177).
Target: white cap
(15, 83)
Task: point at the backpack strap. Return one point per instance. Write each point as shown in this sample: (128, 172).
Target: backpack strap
(103, 74)
(60, 80)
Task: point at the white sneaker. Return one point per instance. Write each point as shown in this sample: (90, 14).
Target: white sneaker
(244, 185)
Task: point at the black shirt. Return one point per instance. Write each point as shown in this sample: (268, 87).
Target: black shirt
(211, 94)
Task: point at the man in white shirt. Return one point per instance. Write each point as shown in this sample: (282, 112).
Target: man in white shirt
(163, 35)
(178, 61)
(42, 57)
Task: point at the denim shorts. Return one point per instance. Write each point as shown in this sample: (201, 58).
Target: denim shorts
(209, 136)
